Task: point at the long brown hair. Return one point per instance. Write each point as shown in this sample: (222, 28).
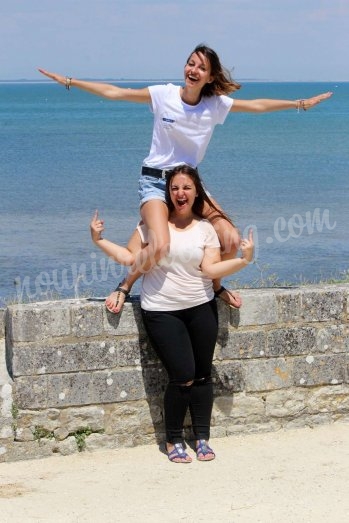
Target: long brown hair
(223, 82)
(202, 197)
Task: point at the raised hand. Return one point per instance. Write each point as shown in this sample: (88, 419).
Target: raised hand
(96, 227)
(247, 247)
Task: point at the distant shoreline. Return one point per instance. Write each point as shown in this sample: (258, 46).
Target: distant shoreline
(162, 80)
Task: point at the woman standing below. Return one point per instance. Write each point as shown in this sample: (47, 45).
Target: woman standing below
(178, 306)
(184, 120)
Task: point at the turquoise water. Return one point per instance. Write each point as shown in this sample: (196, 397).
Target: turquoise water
(64, 154)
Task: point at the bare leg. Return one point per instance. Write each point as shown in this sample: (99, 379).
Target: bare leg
(229, 239)
(155, 216)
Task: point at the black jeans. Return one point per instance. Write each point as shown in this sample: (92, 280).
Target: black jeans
(184, 341)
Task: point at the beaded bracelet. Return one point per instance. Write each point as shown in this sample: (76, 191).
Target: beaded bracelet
(301, 104)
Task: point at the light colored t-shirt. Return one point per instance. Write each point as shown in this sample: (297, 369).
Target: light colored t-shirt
(177, 282)
(182, 132)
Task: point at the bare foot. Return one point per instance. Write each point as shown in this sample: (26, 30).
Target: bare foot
(177, 454)
(115, 301)
(203, 451)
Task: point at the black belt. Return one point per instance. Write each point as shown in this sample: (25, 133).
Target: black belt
(157, 173)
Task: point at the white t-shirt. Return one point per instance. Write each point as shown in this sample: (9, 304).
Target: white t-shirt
(182, 132)
(177, 282)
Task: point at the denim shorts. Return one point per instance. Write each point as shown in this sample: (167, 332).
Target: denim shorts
(151, 188)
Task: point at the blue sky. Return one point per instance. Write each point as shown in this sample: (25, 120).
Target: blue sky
(291, 40)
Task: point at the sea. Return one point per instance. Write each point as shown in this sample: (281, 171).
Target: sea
(65, 154)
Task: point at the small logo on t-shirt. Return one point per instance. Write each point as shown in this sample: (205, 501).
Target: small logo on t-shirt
(167, 121)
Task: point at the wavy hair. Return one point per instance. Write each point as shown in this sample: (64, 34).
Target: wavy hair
(223, 82)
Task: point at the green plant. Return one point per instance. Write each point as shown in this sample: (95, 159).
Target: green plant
(40, 433)
(81, 435)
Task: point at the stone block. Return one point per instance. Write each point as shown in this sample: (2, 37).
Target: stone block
(322, 304)
(289, 305)
(87, 319)
(318, 370)
(291, 341)
(285, 403)
(81, 355)
(77, 418)
(263, 375)
(129, 322)
(155, 380)
(30, 392)
(74, 389)
(259, 308)
(38, 321)
(333, 338)
(134, 352)
(329, 399)
(227, 377)
(240, 405)
(249, 344)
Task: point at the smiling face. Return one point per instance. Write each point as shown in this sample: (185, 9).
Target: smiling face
(182, 193)
(197, 71)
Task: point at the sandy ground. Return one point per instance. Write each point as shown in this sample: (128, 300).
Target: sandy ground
(290, 476)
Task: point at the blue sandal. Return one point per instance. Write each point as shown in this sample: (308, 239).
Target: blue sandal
(202, 450)
(178, 452)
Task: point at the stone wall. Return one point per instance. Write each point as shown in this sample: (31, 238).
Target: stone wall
(77, 377)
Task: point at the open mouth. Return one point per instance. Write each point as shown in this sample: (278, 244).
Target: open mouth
(181, 202)
(192, 78)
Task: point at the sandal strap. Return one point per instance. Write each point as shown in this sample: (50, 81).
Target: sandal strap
(177, 452)
(203, 448)
(120, 289)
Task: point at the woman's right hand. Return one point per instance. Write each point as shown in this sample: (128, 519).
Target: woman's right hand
(53, 76)
(96, 227)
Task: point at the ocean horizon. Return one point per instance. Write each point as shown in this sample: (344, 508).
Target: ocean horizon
(64, 154)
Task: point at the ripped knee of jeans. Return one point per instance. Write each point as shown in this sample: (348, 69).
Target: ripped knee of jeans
(203, 381)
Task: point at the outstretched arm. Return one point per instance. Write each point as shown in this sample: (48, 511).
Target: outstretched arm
(119, 254)
(112, 92)
(214, 268)
(267, 105)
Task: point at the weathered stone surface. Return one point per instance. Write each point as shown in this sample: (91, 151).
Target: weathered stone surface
(289, 305)
(291, 341)
(129, 322)
(259, 308)
(68, 357)
(38, 321)
(86, 319)
(318, 370)
(85, 376)
(329, 399)
(77, 418)
(261, 375)
(249, 344)
(227, 377)
(322, 304)
(285, 403)
(334, 338)
(241, 405)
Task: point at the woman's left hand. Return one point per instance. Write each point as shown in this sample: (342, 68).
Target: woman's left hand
(308, 103)
(247, 247)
